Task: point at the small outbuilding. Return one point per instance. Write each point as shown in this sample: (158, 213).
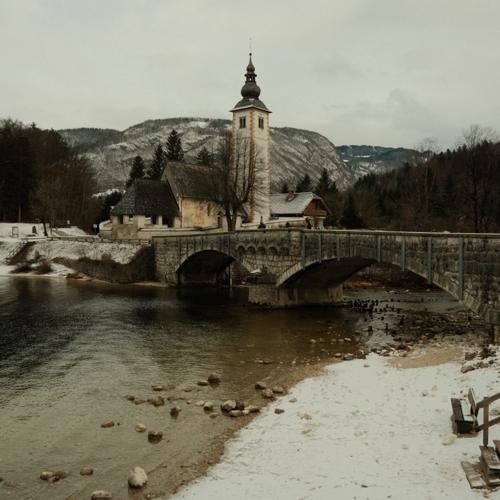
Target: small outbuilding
(299, 209)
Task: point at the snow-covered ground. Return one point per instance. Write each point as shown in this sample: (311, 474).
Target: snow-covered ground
(47, 249)
(365, 429)
(24, 230)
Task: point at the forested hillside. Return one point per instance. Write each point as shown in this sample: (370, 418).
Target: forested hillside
(455, 190)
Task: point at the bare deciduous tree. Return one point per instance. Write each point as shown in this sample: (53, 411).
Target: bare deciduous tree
(234, 183)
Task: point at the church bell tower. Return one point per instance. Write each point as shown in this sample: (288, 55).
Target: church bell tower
(251, 144)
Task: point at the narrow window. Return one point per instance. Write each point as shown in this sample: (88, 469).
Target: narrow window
(243, 122)
(261, 122)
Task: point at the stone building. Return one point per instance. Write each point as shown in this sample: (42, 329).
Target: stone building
(183, 199)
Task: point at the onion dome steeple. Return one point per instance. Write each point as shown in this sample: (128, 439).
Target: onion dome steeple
(250, 90)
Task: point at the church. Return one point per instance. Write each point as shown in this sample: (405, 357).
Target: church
(184, 199)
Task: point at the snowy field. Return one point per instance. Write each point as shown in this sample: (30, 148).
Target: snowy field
(366, 429)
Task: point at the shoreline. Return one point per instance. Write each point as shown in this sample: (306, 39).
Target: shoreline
(287, 452)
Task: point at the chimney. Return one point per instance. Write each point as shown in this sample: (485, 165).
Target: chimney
(290, 196)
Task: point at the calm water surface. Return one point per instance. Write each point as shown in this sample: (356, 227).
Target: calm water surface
(71, 351)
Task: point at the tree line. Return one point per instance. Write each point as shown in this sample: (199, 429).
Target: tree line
(42, 178)
(455, 190)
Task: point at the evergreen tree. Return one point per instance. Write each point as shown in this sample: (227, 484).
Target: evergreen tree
(174, 147)
(324, 184)
(108, 203)
(284, 187)
(137, 170)
(204, 157)
(157, 163)
(305, 184)
(350, 218)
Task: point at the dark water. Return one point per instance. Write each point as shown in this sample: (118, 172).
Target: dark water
(70, 352)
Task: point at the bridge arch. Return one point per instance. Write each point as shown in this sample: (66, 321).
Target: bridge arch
(327, 273)
(203, 268)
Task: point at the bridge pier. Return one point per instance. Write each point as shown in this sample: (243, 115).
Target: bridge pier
(268, 295)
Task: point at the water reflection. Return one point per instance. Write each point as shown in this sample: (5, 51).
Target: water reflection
(71, 351)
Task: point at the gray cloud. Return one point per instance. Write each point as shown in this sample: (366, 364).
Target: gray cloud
(359, 71)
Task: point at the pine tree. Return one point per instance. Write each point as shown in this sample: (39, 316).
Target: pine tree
(137, 170)
(174, 147)
(204, 157)
(350, 218)
(157, 163)
(285, 188)
(305, 184)
(324, 184)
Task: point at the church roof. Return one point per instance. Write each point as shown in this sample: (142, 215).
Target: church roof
(189, 181)
(147, 197)
(292, 203)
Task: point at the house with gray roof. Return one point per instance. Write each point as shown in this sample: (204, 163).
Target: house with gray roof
(182, 200)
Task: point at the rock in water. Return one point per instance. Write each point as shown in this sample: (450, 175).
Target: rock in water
(158, 387)
(108, 424)
(208, 406)
(101, 495)
(260, 385)
(46, 475)
(279, 411)
(277, 389)
(228, 405)
(174, 412)
(137, 478)
(202, 382)
(140, 428)
(213, 379)
(155, 436)
(86, 471)
(158, 401)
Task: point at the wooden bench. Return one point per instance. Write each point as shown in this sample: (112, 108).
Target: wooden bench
(463, 419)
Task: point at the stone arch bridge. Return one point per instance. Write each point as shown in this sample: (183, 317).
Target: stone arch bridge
(306, 267)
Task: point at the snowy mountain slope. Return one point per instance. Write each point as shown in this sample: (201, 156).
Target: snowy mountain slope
(294, 151)
(374, 159)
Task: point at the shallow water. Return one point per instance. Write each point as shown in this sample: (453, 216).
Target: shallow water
(71, 351)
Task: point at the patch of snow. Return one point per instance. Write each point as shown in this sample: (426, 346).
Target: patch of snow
(25, 229)
(365, 438)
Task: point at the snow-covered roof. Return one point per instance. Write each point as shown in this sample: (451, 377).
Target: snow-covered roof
(291, 203)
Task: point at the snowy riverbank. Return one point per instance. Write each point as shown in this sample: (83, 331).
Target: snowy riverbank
(365, 429)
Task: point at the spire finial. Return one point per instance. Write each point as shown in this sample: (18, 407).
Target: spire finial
(250, 89)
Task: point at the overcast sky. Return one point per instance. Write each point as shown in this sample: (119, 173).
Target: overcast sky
(385, 72)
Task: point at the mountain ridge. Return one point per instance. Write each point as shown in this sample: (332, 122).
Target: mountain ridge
(294, 151)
